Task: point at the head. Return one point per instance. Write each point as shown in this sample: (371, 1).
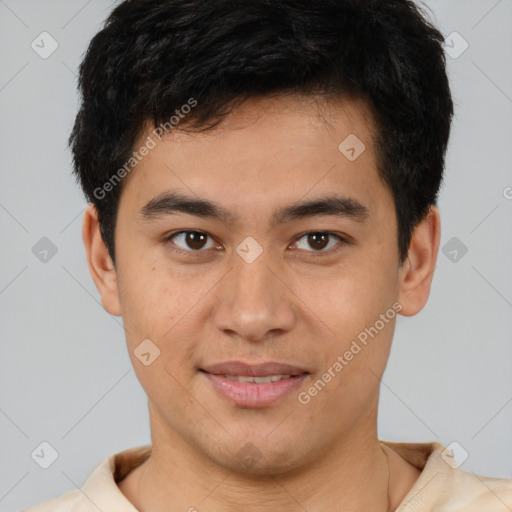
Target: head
(263, 179)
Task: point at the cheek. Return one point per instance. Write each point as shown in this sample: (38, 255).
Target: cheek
(161, 304)
(349, 304)
(157, 308)
(350, 296)
(153, 295)
(146, 301)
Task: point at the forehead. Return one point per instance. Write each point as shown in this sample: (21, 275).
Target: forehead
(265, 149)
(306, 118)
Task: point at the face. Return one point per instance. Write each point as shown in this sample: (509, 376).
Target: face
(253, 257)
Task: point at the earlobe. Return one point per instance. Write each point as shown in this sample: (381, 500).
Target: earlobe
(417, 270)
(100, 264)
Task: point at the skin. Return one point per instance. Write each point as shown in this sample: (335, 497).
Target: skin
(287, 306)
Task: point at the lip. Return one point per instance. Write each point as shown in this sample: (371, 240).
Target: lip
(253, 370)
(249, 394)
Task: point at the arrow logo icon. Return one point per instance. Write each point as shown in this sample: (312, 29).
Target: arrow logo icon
(448, 454)
(44, 455)
(44, 250)
(351, 147)
(454, 249)
(147, 352)
(455, 45)
(44, 45)
(249, 249)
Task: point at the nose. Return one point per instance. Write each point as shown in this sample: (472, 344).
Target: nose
(254, 304)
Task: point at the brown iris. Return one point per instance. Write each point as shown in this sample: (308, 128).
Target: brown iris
(318, 240)
(195, 240)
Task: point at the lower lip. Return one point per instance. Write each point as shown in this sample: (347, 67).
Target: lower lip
(249, 394)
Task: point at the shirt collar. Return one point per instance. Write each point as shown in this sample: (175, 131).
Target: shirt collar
(102, 490)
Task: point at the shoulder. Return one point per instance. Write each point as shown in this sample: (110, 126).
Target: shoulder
(100, 491)
(72, 501)
(471, 492)
(444, 485)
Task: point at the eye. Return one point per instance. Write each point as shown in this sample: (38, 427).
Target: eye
(319, 240)
(190, 241)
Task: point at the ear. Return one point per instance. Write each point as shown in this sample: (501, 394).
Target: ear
(100, 264)
(417, 271)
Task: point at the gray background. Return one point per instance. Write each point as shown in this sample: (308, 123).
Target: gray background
(65, 374)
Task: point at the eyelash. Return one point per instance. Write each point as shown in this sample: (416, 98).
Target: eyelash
(342, 240)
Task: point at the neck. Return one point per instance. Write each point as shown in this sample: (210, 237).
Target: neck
(354, 474)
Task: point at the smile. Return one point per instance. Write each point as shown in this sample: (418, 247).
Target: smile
(254, 386)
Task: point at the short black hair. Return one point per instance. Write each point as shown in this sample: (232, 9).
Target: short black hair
(154, 57)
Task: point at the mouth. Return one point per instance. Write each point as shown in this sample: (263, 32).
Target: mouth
(257, 380)
(254, 386)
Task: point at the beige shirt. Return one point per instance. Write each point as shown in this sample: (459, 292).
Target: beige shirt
(439, 488)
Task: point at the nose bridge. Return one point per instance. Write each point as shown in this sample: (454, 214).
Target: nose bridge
(252, 300)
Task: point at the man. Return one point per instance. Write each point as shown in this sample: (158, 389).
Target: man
(263, 179)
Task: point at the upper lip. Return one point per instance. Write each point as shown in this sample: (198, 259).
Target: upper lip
(238, 368)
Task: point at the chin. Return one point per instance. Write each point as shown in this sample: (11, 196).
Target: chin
(259, 456)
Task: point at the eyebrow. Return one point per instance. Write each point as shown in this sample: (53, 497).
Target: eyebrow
(169, 203)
